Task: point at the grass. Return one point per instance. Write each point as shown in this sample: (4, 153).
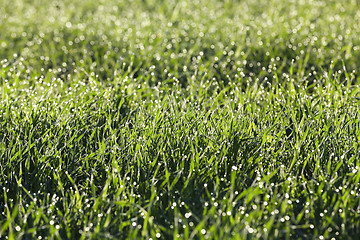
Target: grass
(179, 119)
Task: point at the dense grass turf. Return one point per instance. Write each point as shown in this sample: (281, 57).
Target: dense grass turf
(179, 119)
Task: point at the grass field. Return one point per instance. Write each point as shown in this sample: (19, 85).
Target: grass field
(179, 119)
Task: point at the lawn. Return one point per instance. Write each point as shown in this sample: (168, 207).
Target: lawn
(189, 119)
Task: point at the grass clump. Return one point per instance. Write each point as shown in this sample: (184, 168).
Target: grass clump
(179, 119)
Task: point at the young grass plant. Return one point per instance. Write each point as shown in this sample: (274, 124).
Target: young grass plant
(179, 120)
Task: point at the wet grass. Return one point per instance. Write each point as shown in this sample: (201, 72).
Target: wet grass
(179, 119)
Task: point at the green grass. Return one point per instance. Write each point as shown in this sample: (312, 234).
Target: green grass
(179, 119)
